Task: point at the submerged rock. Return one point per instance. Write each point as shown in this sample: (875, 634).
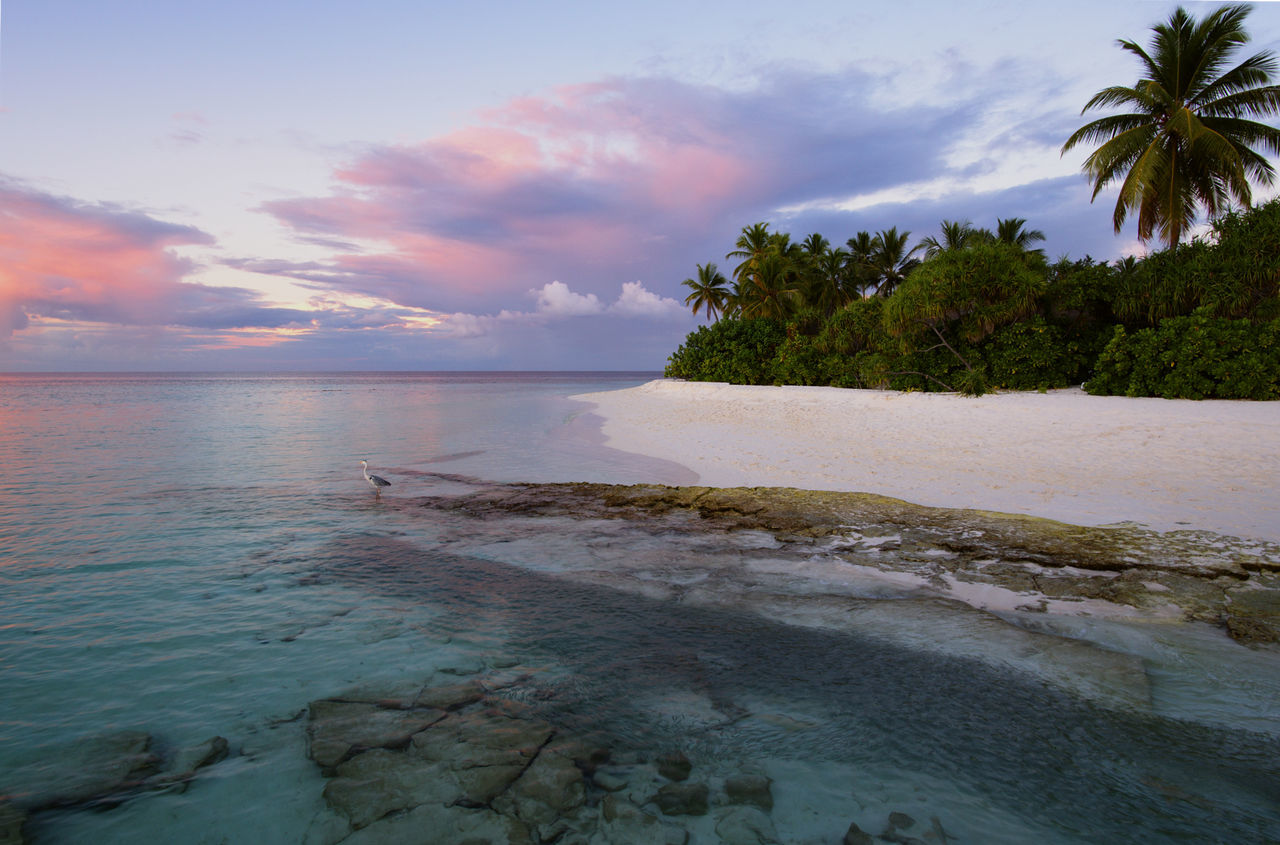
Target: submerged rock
(488, 771)
(746, 826)
(754, 790)
(340, 728)
(186, 761)
(97, 768)
(856, 835)
(623, 823)
(432, 824)
(674, 766)
(550, 788)
(683, 799)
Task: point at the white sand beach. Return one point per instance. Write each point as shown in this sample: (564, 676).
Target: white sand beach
(1065, 455)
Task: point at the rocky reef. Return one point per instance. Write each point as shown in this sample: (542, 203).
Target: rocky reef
(1192, 575)
(469, 762)
(101, 771)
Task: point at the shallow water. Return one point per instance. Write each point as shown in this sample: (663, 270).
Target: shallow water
(198, 555)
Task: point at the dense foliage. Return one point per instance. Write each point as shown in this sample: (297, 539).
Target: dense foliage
(736, 351)
(1193, 357)
(983, 310)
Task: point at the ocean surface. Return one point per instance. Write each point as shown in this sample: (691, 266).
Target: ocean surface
(192, 556)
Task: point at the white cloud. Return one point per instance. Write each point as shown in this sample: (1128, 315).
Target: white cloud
(556, 300)
(636, 301)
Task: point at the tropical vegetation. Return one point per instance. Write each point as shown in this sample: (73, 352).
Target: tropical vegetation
(982, 311)
(972, 309)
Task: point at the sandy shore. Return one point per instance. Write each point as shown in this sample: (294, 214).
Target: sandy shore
(1088, 460)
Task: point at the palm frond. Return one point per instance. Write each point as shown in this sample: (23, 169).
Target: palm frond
(1244, 78)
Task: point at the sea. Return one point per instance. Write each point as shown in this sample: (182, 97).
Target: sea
(189, 556)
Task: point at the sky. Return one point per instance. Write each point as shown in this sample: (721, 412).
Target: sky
(419, 185)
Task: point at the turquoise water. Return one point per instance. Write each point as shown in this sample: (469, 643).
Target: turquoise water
(193, 556)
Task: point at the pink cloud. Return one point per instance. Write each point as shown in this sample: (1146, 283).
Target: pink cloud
(65, 260)
(588, 177)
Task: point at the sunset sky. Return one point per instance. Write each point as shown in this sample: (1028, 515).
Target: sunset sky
(399, 184)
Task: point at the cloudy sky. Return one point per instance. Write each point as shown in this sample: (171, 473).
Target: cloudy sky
(410, 184)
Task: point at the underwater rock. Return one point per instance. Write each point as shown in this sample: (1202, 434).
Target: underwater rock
(683, 799)
(483, 737)
(856, 835)
(449, 696)
(623, 823)
(375, 783)
(488, 771)
(901, 820)
(746, 826)
(339, 728)
(609, 782)
(464, 666)
(550, 788)
(586, 755)
(674, 765)
(185, 761)
(431, 824)
(94, 769)
(895, 830)
(750, 789)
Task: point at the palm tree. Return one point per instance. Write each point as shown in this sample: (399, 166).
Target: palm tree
(709, 291)
(891, 259)
(751, 245)
(815, 244)
(772, 288)
(860, 273)
(824, 287)
(955, 235)
(1187, 141)
(1013, 231)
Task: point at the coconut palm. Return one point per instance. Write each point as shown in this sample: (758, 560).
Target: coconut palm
(860, 273)
(772, 288)
(709, 291)
(891, 259)
(751, 245)
(955, 235)
(824, 285)
(815, 244)
(1187, 141)
(1014, 231)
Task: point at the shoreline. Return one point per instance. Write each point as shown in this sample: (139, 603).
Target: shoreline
(1065, 455)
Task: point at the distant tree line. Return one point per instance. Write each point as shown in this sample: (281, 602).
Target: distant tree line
(974, 309)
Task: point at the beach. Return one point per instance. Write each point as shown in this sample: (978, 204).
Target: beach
(1064, 455)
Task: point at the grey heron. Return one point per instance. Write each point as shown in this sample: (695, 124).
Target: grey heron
(377, 482)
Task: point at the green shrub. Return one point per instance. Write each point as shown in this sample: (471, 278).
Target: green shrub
(972, 291)
(1035, 355)
(1234, 273)
(735, 351)
(799, 361)
(857, 327)
(1194, 357)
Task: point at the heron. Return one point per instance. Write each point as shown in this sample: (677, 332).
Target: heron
(377, 482)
